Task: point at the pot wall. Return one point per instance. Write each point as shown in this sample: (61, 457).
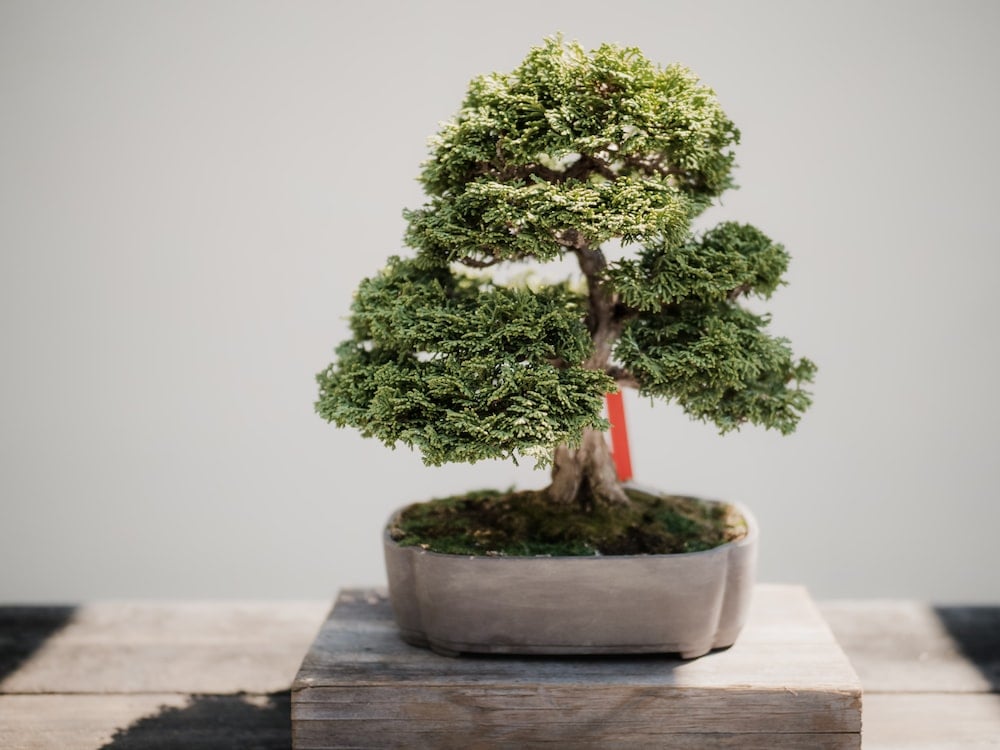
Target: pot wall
(685, 603)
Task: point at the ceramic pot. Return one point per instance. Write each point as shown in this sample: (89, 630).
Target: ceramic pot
(686, 603)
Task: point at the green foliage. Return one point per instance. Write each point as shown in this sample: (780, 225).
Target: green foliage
(613, 104)
(461, 369)
(716, 361)
(568, 151)
(607, 144)
(728, 260)
(503, 221)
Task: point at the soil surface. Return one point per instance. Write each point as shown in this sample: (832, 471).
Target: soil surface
(526, 523)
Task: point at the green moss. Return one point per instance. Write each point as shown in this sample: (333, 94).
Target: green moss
(526, 523)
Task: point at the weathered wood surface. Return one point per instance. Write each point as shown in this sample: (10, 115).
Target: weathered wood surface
(930, 675)
(932, 721)
(157, 647)
(154, 721)
(911, 647)
(199, 675)
(784, 681)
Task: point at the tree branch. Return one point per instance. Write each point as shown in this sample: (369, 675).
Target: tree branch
(586, 165)
(604, 325)
(656, 165)
(572, 239)
(623, 377)
(581, 169)
(738, 292)
(475, 263)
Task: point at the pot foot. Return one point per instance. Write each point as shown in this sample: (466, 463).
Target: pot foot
(695, 652)
(444, 651)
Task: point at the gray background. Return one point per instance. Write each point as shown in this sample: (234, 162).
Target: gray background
(189, 193)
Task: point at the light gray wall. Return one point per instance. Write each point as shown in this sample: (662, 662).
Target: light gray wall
(189, 192)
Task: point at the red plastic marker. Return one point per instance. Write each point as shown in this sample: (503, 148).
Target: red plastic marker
(619, 436)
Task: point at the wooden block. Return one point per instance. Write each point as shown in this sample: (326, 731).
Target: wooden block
(786, 683)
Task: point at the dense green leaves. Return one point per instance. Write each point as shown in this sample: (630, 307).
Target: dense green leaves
(613, 104)
(568, 151)
(607, 144)
(462, 369)
(718, 363)
(513, 221)
(727, 261)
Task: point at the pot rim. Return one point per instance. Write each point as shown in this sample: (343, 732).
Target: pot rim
(749, 538)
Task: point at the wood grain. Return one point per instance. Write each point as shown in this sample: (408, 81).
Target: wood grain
(160, 647)
(361, 686)
(926, 671)
(141, 722)
(73, 722)
(932, 721)
(912, 647)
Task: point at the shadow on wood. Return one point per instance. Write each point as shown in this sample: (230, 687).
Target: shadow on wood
(976, 633)
(23, 630)
(213, 722)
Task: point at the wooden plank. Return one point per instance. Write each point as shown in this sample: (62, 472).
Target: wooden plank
(799, 668)
(891, 722)
(932, 721)
(361, 643)
(976, 630)
(922, 690)
(908, 647)
(361, 686)
(73, 722)
(501, 711)
(447, 740)
(138, 722)
(166, 647)
(23, 630)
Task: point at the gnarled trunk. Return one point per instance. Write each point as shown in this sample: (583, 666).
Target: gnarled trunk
(586, 475)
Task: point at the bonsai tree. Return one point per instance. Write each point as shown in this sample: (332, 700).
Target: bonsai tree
(567, 153)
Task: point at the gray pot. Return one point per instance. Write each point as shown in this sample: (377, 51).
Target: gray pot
(623, 604)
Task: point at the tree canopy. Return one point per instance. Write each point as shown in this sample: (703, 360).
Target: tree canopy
(567, 152)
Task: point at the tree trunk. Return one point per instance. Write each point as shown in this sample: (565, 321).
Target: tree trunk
(586, 475)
